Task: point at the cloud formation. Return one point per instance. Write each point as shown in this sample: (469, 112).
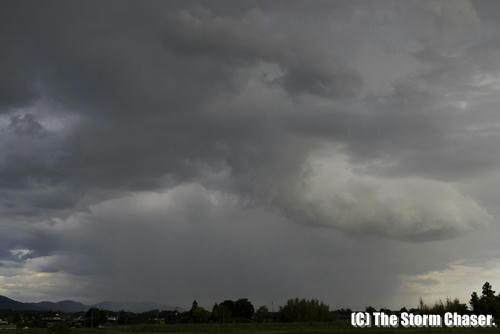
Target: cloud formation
(223, 138)
(414, 209)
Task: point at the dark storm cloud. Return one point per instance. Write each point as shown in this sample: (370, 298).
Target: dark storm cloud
(361, 119)
(25, 125)
(193, 247)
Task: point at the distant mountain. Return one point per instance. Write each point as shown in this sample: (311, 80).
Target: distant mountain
(10, 304)
(71, 306)
(135, 307)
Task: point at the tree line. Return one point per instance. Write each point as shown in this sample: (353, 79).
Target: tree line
(242, 310)
(486, 303)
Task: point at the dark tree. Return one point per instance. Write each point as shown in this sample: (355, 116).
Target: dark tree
(261, 314)
(221, 313)
(474, 302)
(200, 315)
(227, 309)
(229, 304)
(488, 292)
(94, 317)
(194, 306)
(124, 317)
(370, 309)
(305, 310)
(243, 309)
(488, 303)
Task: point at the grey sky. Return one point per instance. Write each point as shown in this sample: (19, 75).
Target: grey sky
(171, 151)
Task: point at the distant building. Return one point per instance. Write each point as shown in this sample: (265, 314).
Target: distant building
(78, 322)
(160, 321)
(169, 317)
(4, 324)
(51, 320)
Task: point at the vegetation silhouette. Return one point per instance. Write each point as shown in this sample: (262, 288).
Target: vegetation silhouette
(304, 310)
(238, 311)
(488, 303)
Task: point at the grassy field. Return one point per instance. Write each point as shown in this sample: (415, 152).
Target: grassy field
(265, 328)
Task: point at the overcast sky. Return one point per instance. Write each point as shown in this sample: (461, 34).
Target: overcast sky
(176, 150)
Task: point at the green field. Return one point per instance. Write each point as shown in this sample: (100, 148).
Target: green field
(265, 328)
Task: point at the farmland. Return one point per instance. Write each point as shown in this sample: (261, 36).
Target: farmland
(262, 328)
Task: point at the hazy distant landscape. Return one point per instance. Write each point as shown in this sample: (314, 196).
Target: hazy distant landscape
(234, 316)
(73, 306)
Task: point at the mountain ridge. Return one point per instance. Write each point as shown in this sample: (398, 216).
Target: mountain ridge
(71, 306)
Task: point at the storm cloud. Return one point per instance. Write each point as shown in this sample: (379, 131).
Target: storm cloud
(251, 149)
